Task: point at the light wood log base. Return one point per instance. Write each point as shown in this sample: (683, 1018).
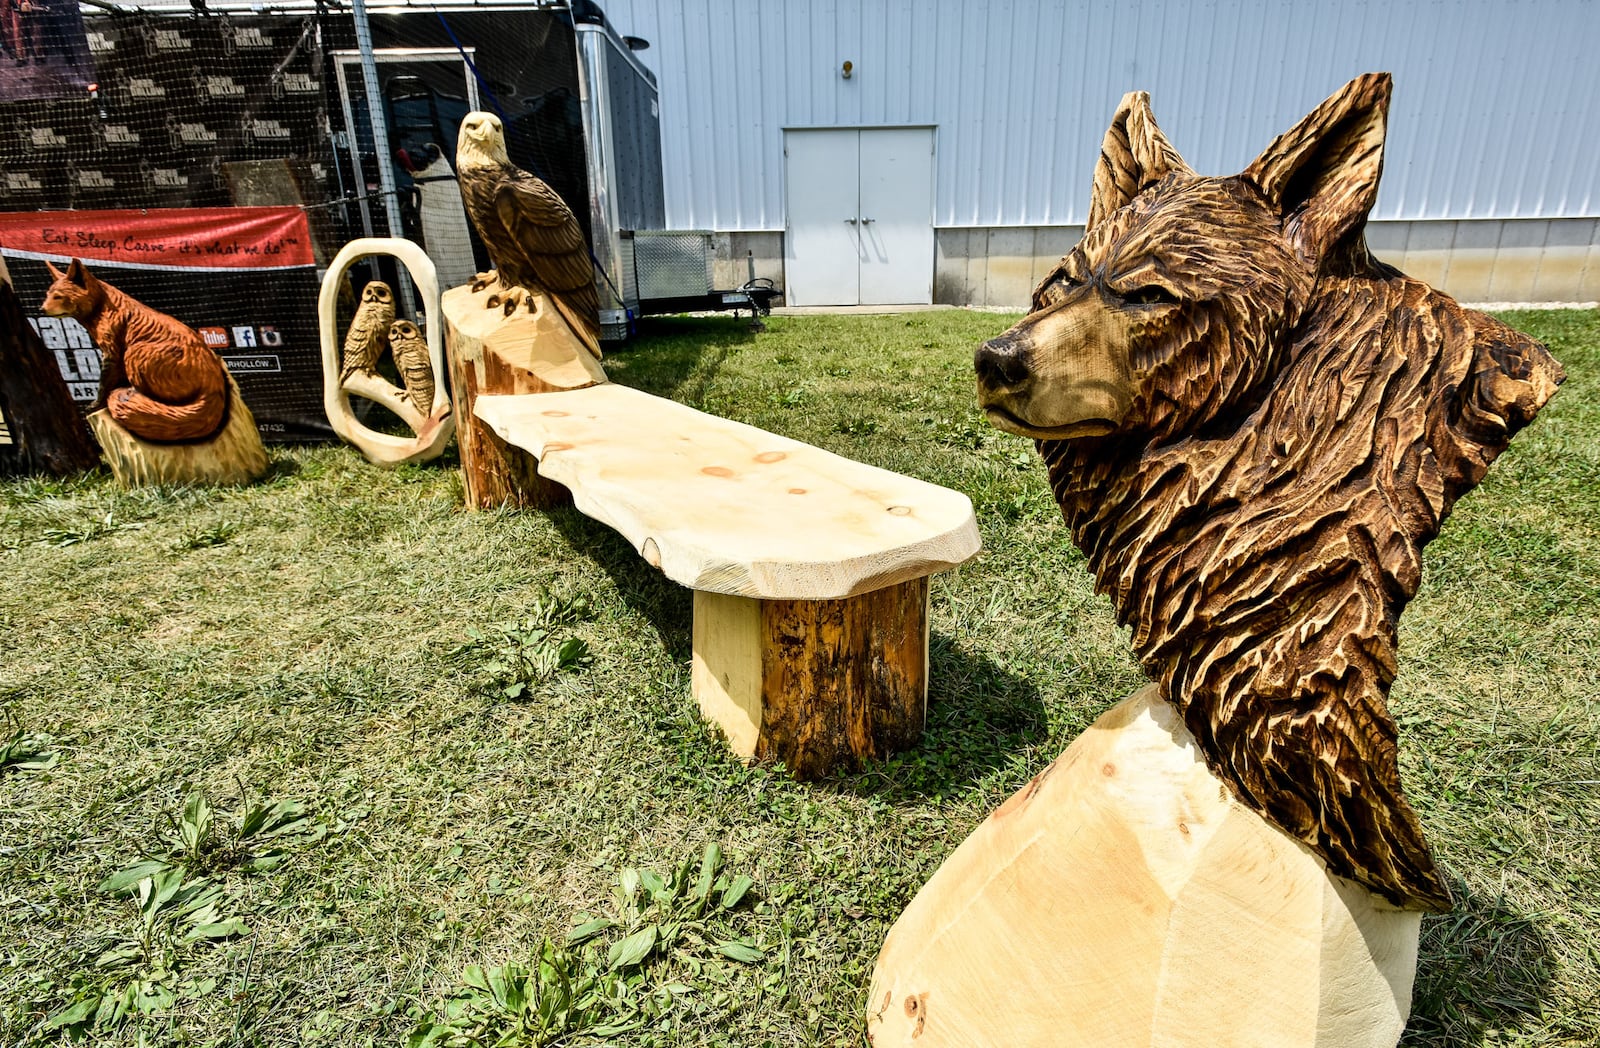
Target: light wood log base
(1125, 899)
(234, 456)
(531, 351)
(820, 685)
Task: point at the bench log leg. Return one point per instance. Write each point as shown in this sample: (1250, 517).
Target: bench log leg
(493, 472)
(821, 685)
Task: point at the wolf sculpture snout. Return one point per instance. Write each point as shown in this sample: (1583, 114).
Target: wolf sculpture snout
(1002, 361)
(1059, 374)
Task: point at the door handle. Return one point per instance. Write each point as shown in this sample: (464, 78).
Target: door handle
(864, 221)
(851, 221)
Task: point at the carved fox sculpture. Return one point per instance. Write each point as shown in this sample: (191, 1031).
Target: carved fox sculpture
(158, 379)
(1253, 427)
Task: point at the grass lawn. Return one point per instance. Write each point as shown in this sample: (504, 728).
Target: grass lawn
(355, 740)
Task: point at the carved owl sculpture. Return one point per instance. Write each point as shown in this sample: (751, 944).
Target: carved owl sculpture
(411, 359)
(368, 336)
(533, 237)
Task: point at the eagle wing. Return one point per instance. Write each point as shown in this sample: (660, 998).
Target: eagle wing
(549, 244)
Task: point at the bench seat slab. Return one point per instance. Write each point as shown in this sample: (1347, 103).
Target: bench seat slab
(721, 506)
(809, 569)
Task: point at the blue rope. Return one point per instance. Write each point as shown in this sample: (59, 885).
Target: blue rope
(482, 83)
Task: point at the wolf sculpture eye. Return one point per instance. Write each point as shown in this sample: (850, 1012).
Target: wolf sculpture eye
(1150, 295)
(1052, 293)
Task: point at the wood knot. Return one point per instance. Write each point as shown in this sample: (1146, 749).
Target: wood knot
(554, 414)
(1183, 827)
(900, 511)
(772, 456)
(797, 491)
(917, 1008)
(651, 553)
(1108, 769)
(557, 445)
(716, 471)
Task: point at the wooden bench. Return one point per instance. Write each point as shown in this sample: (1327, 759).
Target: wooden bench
(809, 570)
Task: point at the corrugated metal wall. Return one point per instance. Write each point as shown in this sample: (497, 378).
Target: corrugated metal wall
(1496, 112)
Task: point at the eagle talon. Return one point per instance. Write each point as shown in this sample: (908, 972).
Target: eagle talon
(508, 300)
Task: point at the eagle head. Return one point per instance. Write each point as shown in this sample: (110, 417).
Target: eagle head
(482, 141)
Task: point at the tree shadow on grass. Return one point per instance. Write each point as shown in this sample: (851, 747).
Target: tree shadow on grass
(1482, 966)
(979, 714)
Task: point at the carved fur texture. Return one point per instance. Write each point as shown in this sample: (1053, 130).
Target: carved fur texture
(158, 379)
(1253, 428)
(533, 237)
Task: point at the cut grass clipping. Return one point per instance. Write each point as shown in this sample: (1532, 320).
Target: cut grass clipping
(329, 761)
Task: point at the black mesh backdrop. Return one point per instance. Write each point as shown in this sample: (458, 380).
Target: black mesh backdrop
(183, 113)
(178, 100)
(216, 111)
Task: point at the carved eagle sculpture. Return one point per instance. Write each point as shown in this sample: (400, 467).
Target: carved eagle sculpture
(533, 238)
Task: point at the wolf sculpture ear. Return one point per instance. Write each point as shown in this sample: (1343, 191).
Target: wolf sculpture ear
(77, 274)
(55, 274)
(1134, 155)
(1322, 174)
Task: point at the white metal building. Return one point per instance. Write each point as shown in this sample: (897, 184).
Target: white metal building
(941, 150)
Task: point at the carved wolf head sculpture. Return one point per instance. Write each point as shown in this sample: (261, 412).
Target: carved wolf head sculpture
(1253, 427)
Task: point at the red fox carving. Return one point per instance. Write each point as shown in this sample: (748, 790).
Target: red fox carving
(158, 380)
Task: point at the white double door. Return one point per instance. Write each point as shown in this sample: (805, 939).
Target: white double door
(860, 217)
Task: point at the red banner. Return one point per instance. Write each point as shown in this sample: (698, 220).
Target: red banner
(163, 238)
